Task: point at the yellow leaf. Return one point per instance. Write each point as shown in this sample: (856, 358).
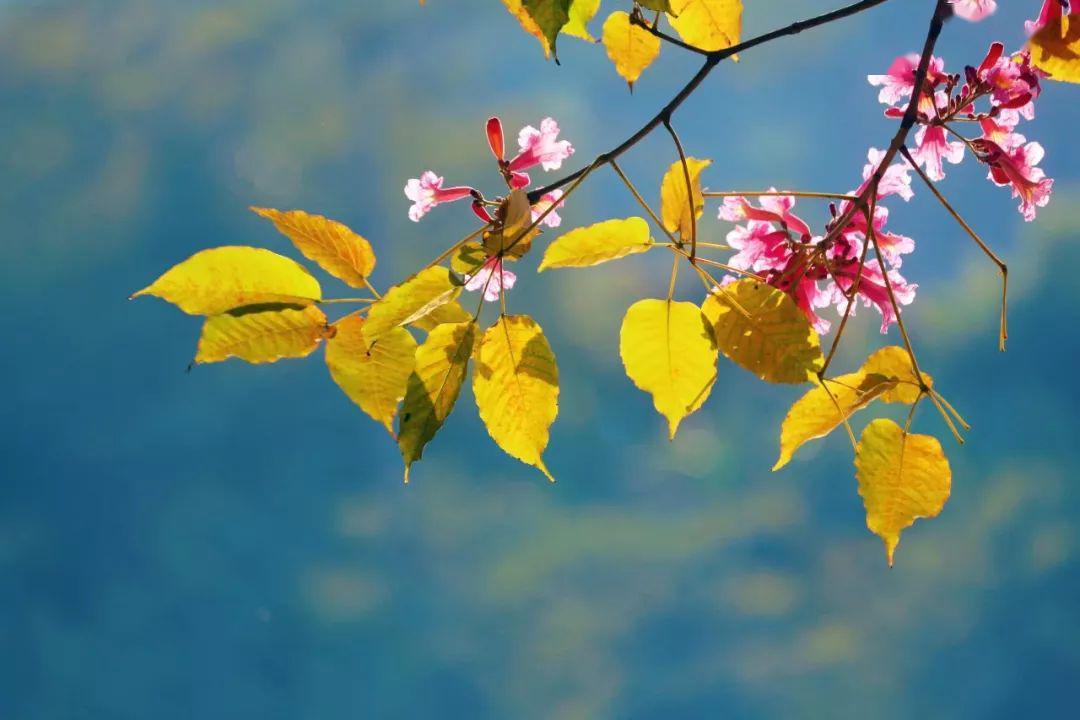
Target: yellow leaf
(674, 202)
(468, 259)
(581, 12)
(516, 384)
(517, 9)
(337, 249)
(411, 300)
(824, 408)
(451, 312)
(630, 47)
(372, 376)
(707, 24)
(1055, 48)
(608, 240)
(215, 281)
(668, 351)
(762, 329)
(894, 362)
(261, 337)
(901, 477)
(433, 387)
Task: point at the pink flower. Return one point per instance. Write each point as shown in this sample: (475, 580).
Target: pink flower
(1051, 10)
(892, 245)
(974, 10)
(547, 200)
(1012, 81)
(491, 279)
(774, 208)
(933, 148)
(761, 247)
(899, 82)
(427, 192)
(895, 181)
(541, 147)
(872, 290)
(1001, 134)
(1016, 168)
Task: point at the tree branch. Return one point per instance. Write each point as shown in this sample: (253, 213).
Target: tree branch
(712, 59)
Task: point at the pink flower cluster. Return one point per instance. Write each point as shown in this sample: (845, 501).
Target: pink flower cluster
(994, 97)
(828, 269)
(536, 147)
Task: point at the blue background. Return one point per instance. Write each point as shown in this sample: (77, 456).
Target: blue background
(236, 542)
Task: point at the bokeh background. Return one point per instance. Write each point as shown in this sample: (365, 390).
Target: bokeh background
(236, 541)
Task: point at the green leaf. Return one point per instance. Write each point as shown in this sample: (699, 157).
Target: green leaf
(434, 387)
(599, 243)
(550, 16)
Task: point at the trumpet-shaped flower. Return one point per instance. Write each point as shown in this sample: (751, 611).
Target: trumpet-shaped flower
(541, 147)
(974, 10)
(899, 81)
(1016, 168)
(491, 279)
(933, 148)
(552, 200)
(1051, 10)
(427, 191)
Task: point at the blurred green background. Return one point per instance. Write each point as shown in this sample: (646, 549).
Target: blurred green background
(236, 542)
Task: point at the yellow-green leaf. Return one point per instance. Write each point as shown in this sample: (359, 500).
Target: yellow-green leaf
(215, 281)
(261, 337)
(451, 312)
(894, 362)
(372, 376)
(661, 5)
(631, 48)
(762, 329)
(411, 300)
(581, 12)
(550, 16)
(674, 202)
(337, 249)
(902, 478)
(517, 9)
(824, 408)
(608, 240)
(707, 24)
(433, 388)
(468, 259)
(668, 351)
(1055, 48)
(516, 384)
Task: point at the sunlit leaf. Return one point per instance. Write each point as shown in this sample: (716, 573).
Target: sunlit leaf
(261, 337)
(587, 246)
(895, 362)
(468, 258)
(515, 237)
(372, 376)
(668, 351)
(824, 408)
(411, 300)
(631, 48)
(550, 16)
(707, 24)
(1055, 48)
(674, 204)
(661, 5)
(215, 281)
(902, 478)
(451, 312)
(517, 9)
(762, 329)
(516, 384)
(337, 249)
(581, 12)
(433, 388)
